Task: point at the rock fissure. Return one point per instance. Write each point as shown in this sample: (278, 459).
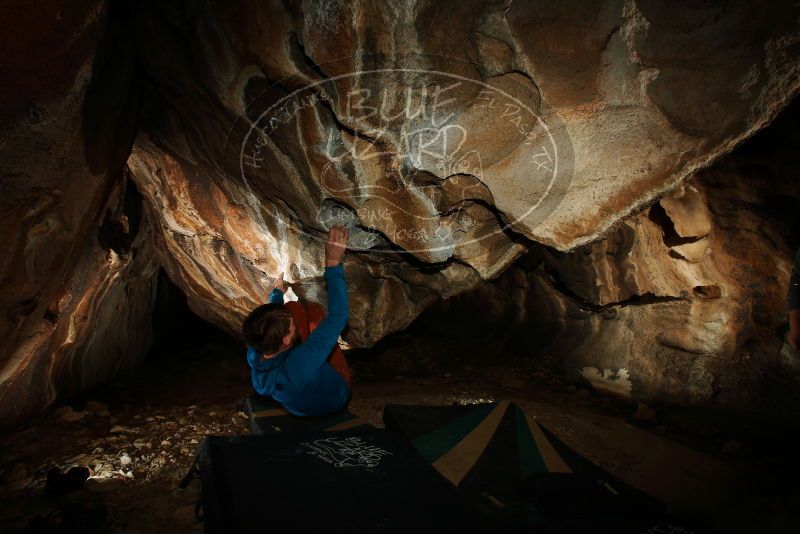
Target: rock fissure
(644, 299)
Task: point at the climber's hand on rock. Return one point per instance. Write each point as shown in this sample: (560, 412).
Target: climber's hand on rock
(280, 284)
(336, 245)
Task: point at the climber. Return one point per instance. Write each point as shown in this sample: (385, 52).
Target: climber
(292, 349)
(794, 304)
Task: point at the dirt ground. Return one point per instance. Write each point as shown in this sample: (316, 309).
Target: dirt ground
(138, 435)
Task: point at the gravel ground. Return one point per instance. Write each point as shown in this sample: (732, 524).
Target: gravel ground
(137, 437)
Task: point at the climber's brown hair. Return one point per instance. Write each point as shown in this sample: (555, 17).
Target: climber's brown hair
(266, 326)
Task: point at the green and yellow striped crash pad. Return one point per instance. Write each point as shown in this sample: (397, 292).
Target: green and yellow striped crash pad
(268, 417)
(492, 443)
(495, 451)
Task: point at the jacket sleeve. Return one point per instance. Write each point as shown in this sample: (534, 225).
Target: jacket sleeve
(794, 284)
(259, 381)
(308, 357)
(276, 296)
(257, 377)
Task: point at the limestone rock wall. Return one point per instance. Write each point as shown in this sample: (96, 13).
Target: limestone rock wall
(688, 299)
(683, 304)
(447, 152)
(225, 256)
(98, 321)
(77, 284)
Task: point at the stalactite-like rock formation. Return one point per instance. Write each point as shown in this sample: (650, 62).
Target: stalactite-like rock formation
(450, 137)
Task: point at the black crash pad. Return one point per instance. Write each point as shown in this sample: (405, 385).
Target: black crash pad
(363, 479)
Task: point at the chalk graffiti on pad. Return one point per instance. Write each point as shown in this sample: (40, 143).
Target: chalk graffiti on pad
(347, 452)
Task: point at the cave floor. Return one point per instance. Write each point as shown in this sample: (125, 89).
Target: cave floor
(138, 435)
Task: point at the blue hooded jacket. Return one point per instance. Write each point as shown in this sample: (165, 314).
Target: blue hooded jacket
(300, 378)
